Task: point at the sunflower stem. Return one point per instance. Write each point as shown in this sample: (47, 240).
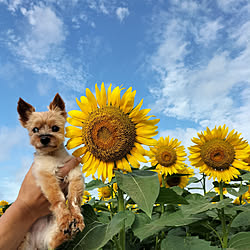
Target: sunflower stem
(121, 208)
(204, 183)
(223, 221)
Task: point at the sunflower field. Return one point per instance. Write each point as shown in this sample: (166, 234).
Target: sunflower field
(164, 204)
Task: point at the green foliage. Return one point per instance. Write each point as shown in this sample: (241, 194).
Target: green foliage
(185, 243)
(240, 241)
(157, 218)
(142, 186)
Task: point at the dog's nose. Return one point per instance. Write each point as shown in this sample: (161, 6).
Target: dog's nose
(45, 140)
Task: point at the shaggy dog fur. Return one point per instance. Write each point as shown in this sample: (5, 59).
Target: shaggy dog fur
(46, 131)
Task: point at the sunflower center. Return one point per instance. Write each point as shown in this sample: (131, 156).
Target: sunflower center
(166, 156)
(218, 154)
(173, 181)
(109, 133)
(106, 193)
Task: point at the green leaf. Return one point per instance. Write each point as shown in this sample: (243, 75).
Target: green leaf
(94, 184)
(242, 190)
(199, 204)
(193, 180)
(185, 243)
(242, 219)
(97, 234)
(172, 220)
(142, 186)
(240, 241)
(245, 177)
(169, 196)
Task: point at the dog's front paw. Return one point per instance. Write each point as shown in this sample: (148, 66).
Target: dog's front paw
(77, 223)
(64, 223)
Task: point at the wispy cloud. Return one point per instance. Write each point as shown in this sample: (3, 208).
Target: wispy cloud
(204, 76)
(10, 138)
(41, 47)
(122, 13)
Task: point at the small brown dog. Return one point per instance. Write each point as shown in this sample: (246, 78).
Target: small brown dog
(46, 131)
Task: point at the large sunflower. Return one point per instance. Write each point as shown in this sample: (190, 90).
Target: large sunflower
(167, 156)
(219, 154)
(180, 179)
(111, 131)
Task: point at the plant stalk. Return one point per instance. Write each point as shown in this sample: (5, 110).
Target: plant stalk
(204, 183)
(223, 221)
(121, 208)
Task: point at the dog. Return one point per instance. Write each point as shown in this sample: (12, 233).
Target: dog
(46, 131)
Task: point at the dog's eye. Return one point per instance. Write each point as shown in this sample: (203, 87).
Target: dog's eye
(35, 130)
(55, 128)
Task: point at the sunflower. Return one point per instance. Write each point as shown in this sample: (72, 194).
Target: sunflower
(3, 204)
(243, 199)
(180, 179)
(167, 156)
(86, 197)
(219, 154)
(110, 131)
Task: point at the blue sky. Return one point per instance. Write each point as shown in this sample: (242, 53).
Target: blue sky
(189, 60)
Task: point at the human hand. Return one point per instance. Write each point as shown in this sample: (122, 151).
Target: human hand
(30, 197)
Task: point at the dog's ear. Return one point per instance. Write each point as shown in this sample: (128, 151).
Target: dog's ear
(24, 110)
(58, 105)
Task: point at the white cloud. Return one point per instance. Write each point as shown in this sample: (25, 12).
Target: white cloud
(230, 5)
(207, 31)
(14, 4)
(46, 31)
(10, 138)
(122, 13)
(211, 89)
(40, 48)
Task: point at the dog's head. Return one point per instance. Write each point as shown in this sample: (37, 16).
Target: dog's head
(46, 129)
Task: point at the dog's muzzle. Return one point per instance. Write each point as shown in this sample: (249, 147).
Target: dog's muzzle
(45, 139)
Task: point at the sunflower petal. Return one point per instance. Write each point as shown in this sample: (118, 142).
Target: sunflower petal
(74, 142)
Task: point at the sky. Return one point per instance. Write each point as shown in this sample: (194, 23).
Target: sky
(189, 60)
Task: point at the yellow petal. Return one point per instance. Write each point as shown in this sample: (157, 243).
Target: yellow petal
(119, 164)
(103, 96)
(127, 101)
(87, 163)
(83, 107)
(146, 133)
(91, 99)
(109, 94)
(98, 94)
(147, 123)
(115, 97)
(135, 111)
(110, 166)
(77, 114)
(137, 155)
(80, 151)
(126, 165)
(74, 142)
(74, 122)
(73, 132)
(100, 169)
(85, 157)
(139, 148)
(133, 161)
(146, 141)
(104, 171)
